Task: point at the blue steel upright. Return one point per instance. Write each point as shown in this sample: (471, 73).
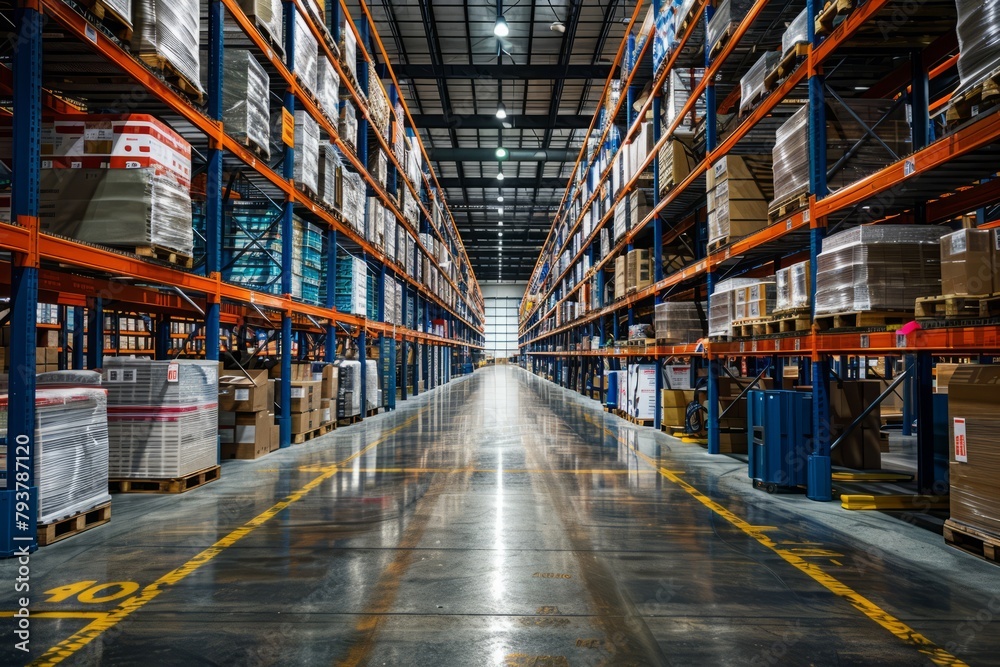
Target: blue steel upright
(330, 353)
(19, 501)
(701, 247)
(213, 183)
(284, 417)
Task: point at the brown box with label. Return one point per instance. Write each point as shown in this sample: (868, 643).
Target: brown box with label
(248, 438)
(306, 396)
(967, 262)
(620, 276)
(304, 422)
(327, 408)
(974, 406)
(674, 404)
(300, 371)
(329, 376)
(239, 392)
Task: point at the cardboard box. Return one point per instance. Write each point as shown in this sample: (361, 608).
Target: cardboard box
(240, 393)
(306, 396)
(327, 407)
(967, 259)
(304, 422)
(248, 438)
(275, 435)
(862, 449)
(943, 374)
(329, 376)
(974, 421)
(673, 403)
(620, 276)
(301, 371)
(47, 338)
(638, 270)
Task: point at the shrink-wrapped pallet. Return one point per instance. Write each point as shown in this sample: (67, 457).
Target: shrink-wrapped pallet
(878, 267)
(162, 417)
(330, 164)
(306, 152)
(676, 93)
(351, 284)
(796, 33)
(722, 310)
(70, 448)
(348, 49)
(791, 146)
(679, 322)
(974, 457)
(371, 385)
(130, 208)
(166, 34)
(728, 14)
(306, 54)
(245, 111)
(792, 284)
(268, 15)
(752, 84)
(349, 388)
(348, 126)
(328, 89)
(978, 41)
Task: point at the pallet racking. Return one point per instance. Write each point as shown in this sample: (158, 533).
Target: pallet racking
(60, 52)
(874, 49)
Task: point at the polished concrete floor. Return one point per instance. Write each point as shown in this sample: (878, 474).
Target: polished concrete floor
(501, 520)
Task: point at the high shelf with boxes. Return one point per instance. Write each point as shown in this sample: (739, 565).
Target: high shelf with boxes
(834, 209)
(204, 209)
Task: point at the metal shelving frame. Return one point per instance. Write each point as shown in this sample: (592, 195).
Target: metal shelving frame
(44, 268)
(947, 174)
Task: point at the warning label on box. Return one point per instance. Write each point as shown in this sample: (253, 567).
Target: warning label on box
(961, 450)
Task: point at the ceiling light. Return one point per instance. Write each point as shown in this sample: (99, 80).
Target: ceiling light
(500, 29)
(501, 114)
(507, 125)
(500, 234)
(500, 224)
(500, 176)
(500, 210)
(557, 26)
(500, 198)
(501, 153)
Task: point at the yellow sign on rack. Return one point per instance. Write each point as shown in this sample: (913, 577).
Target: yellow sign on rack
(288, 128)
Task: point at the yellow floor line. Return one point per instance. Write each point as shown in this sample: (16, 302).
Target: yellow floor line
(506, 471)
(94, 629)
(59, 614)
(901, 630)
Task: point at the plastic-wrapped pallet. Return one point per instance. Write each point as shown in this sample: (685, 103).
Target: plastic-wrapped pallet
(679, 322)
(791, 147)
(306, 54)
(978, 39)
(878, 267)
(71, 450)
(166, 35)
(792, 286)
(348, 49)
(796, 33)
(351, 284)
(727, 16)
(245, 91)
(307, 152)
(371, 385)
(723, 305)
(328, 89)
(119, 207)
(752, 83)
(349, 388)
(268, 15)
(329, 165)
(676, 92)
(378, 166)
(348, 126)
(162, 417)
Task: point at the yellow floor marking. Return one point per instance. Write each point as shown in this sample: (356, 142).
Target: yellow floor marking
(901, 630)
(94, 629)
(506, 471)
(59, 614)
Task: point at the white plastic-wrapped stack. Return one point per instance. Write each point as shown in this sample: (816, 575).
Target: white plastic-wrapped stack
(979, 42)
(348, 388)
(796, 33)
(328, 89)
(792, 288)
(878, 267)
(727, 16)
(71, 450)
(348, 49)
(307, 152)
(679, 322)
(329, 164)
(245, 89)
(162, 417)
(355, 200)
(166, 33)
(306, 54)
(372, 397)
(676, 92)
(268, 16)
(752, 83)
(723, 305)
(347, 128)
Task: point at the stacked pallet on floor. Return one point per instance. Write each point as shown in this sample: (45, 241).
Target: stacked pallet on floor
(306, 408)
(246, 414)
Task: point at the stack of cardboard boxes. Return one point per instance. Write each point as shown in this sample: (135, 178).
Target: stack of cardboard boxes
(862, 448)
(970, 262)
(328, 375)
(246, 414)
(46, 354)
(307, 403)
(974, 467)
(739, 188)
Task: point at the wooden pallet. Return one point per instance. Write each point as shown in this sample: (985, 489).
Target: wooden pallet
(299, 438)
(724, 38)
(164, 255)
(640, 342)
(977, 100)
(347, 421)
(864, 319)
(790, 322)
(789, 62)
(170, 74)
(116, 24)
(749, 327)
(171, 485)
(949, 306)
(826, 19)
(49, 533)
(971, 540)
(787, 206)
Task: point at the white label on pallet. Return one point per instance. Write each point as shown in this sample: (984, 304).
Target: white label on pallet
(298, 392)
(900, 340)
(961, 448)
(173, 373)
(909, 167)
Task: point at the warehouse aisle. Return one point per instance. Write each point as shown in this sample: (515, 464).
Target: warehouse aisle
(500, 520)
